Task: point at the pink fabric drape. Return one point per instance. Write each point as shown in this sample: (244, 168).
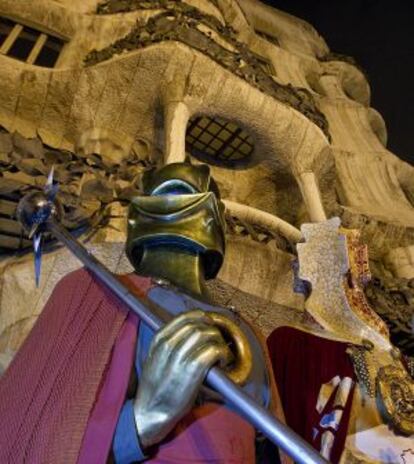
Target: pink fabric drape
(210, 433)
(49, 390)
(101, 426)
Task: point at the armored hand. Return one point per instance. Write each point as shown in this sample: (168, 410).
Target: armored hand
(179, 358)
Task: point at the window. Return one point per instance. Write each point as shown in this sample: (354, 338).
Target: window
(29, 45)
(6, 27)
(218, 141)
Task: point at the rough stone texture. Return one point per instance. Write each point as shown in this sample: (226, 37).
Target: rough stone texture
(393, 299)
(185, 24)
(88, 182)
(401, 262)
(260, 312)
(101, 125)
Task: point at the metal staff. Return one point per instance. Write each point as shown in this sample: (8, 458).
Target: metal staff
(38, 213)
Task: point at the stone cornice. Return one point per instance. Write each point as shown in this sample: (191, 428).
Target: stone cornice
(184, 24)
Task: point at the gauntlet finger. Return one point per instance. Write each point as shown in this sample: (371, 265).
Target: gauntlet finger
(204, 358)
(201, 336)
(182, 333)
(196, 315)
(193, 333)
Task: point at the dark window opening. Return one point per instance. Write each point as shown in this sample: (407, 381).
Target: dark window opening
(50, 52)
(24, 43)
(6, 27)
(217, 141)
(29, 45)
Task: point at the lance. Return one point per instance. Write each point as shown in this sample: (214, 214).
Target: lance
(38, 212)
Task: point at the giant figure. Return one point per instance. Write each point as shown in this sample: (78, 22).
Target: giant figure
(92, 384)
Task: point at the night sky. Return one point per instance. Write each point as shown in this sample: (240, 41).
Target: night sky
(380, 36)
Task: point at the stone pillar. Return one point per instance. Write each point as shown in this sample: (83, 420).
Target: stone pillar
(311, 195)
(176, 115)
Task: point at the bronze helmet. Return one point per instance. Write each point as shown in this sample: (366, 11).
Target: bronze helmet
(180, 207)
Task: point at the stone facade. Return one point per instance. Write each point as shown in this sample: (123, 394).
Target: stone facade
(118, 101)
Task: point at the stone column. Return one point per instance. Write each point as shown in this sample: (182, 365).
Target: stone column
(311, 195)
(176, 115)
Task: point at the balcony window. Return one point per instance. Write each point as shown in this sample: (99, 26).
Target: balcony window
(217, 141)
(29, 45)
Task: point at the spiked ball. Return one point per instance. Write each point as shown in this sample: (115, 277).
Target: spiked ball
(34, 209)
